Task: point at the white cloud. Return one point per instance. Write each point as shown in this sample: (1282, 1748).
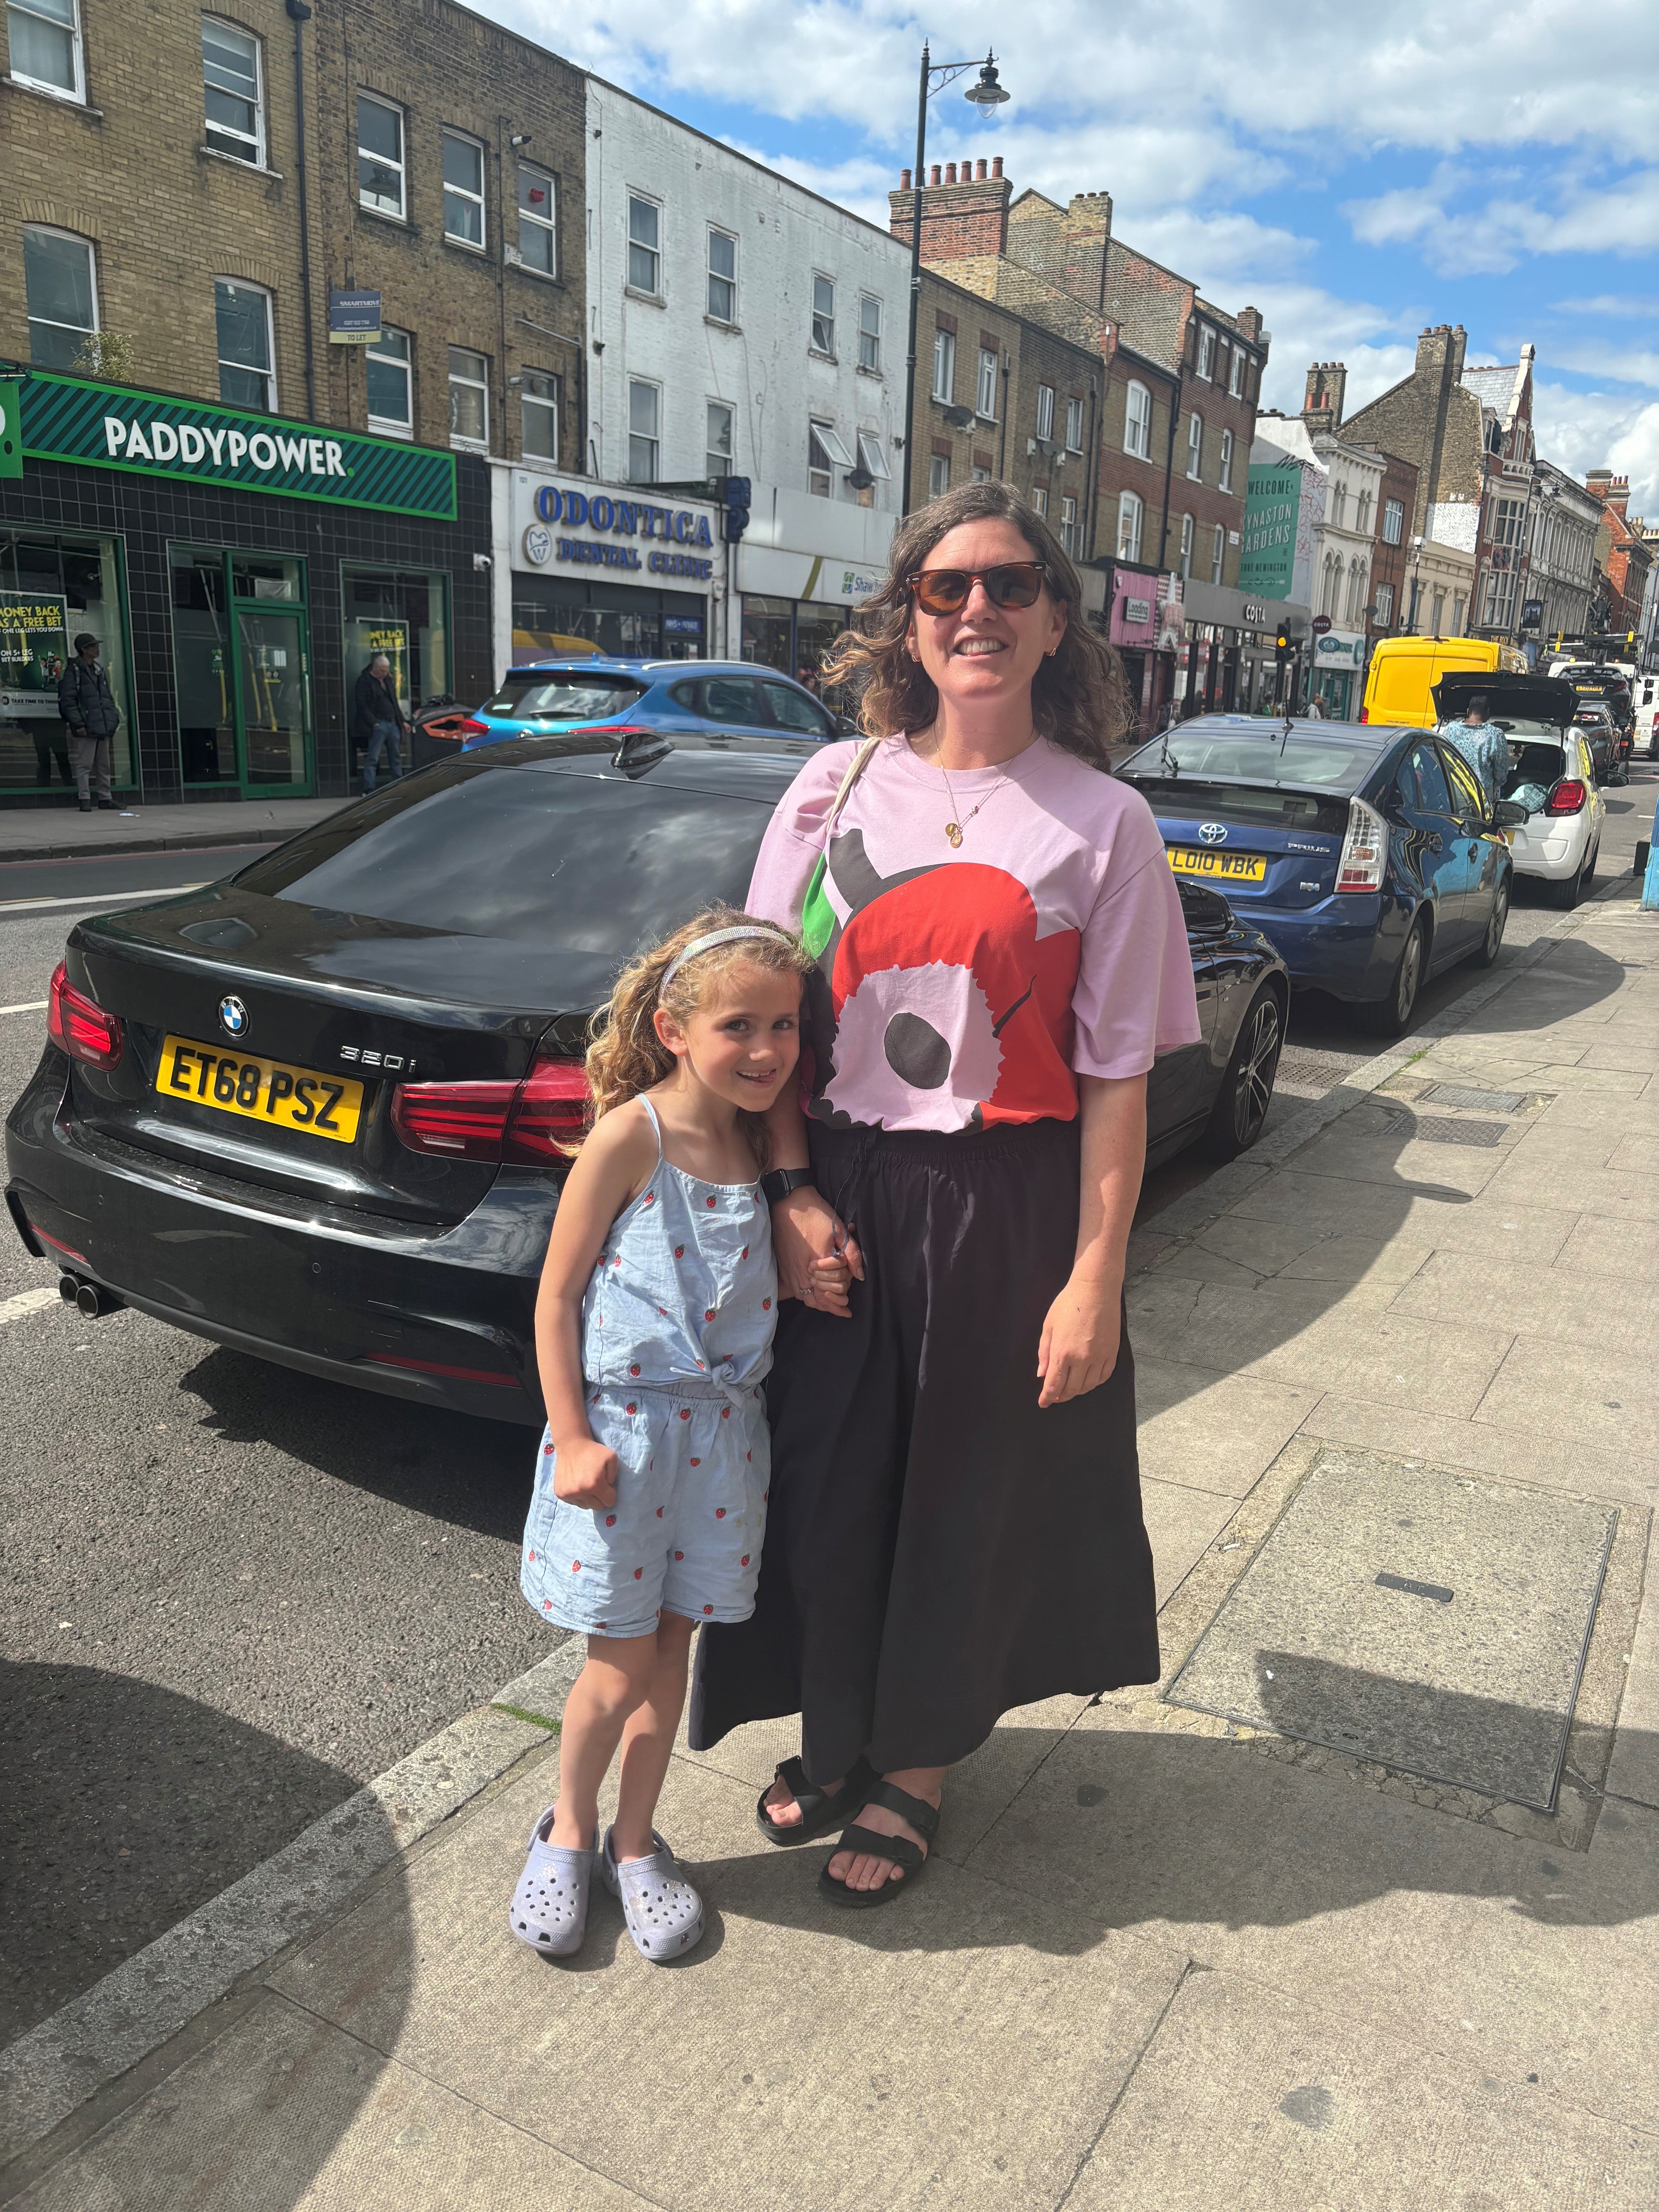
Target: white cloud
(1584, 430)
(1495, 236)
(1616, 305)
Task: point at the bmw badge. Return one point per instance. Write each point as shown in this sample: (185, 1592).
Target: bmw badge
(233, 1018)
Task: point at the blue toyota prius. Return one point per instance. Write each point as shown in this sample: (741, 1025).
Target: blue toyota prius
(1367, 856)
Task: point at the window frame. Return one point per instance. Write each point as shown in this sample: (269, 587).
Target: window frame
(1205, 365)
(481, 383)
(1073, 419)
(1394, 511)
(990, 369)
(823, 434)
(1382, 607)
(870, 340)
(945, 358)
(1235, 373)
(711, 453)
(241, 284)
(870, 453)
(1218, 553)
(449, 135)
(1225, 481)
(1195, 447)
(401, 166)
(75, 93)
(547, 225)
(56, 230)
(821, 321)
(1045, 411)
(653, 437)
(1185, 564)
(1132, 419)
(550, 402)
(388, 426)
(653, 290)
(1071, 530)
(1130, 504)
(258, 160)
(939, 475)
(717, 277)
(1039, 500)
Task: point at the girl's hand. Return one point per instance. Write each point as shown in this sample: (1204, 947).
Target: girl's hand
(1081, 1334)
(807, 1230)
(585, 1472)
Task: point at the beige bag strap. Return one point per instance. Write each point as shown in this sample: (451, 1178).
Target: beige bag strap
(861, 760)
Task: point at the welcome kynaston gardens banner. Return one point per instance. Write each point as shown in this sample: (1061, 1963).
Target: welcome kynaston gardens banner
(103, 426)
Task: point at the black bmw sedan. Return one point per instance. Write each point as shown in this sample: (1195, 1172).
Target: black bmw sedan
(315, 1111)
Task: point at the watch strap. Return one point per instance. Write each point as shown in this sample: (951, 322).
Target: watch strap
(781, 1180)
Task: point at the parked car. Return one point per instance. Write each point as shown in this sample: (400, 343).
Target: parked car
(316, 1111)
(675, 697)
(1552, 773)
(1362, 854)
(1600, 732)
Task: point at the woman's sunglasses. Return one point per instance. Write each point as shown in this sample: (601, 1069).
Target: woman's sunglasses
(945, 590)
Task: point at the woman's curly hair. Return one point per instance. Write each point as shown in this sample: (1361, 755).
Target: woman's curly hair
(626, 1056)
(1080, 698)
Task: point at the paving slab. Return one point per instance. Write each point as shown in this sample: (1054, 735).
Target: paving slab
(1539, 1456)
(1250, 2099)
(1450, 1221)
(1208, 1430)
(1457, 1287)
(1370, 1145)
(1633, 1771)
(1621, 1195)
(1617, 1258)
(966, 2050)
(1182, 1524)
(1430, 1621)
(1611, 1402)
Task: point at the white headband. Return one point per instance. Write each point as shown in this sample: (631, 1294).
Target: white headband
(710, 939)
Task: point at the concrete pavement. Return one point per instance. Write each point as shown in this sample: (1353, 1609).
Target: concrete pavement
(1163, 1960)
(55, 833)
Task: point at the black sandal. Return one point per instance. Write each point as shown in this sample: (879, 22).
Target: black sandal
(820, 1809)
(901, 1852)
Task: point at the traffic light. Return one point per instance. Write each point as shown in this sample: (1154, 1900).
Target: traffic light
(1283, 645)
(737, 508)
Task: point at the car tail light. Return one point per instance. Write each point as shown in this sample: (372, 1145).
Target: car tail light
(1365, 713)
(1364, 849)
(78, 1027)
(468, 726)
(1566, 797)
(527, 1124)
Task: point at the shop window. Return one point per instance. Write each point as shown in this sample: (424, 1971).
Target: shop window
(1071, 530)
(44, 38)
(242, 313)
(939, 475)
(824, 316)
(60, 284)
(240, 651)
(468, 399)
(1225, 479)
(538, 242)
(50, 589)
(1195, 447)
(1137, 422)
(380, 156)
(644, 248)
(945, 366)
(986, 404)
(539, 413)
(717, 455)
(870, 333)
(1045, 410)
(1074, 426)
(403, 613)
(1217, 554)
(464, 190)
(722, 276)
(388, 369)
(768, 631)
(231, 81)
(644, 433)
(1131, 520)
(1186, 546)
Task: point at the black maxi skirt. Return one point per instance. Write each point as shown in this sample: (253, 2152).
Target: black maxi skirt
(938, 1549)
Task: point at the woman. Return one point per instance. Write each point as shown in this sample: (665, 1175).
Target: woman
(956, 1525)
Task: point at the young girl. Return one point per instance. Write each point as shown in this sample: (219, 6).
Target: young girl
(653, 1330)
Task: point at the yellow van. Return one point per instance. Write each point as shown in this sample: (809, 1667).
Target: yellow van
(1404, 672)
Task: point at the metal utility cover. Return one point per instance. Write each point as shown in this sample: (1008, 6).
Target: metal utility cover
(1436, 1622)
(1461, 1094)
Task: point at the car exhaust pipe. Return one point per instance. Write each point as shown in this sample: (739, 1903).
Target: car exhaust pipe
(91, 1299)
(69, 1288)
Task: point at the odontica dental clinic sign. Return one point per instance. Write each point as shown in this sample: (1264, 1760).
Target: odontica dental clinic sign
(105, 426)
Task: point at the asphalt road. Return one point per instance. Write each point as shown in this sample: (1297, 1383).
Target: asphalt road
(233, 1594)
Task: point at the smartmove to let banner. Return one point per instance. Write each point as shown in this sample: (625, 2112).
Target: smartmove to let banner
(103, 425)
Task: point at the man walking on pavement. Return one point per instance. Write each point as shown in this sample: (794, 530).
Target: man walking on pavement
(378, 722)
(1483, 746)
(88, 705)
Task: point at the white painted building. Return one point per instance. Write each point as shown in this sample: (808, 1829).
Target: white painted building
(1343, 538)
(740, 325)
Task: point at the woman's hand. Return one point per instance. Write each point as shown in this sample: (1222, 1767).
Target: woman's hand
(817, 1259)
(585, 1472)
(1081, 1334)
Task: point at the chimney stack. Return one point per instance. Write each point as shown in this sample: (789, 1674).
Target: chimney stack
(1324, 395)
(963, 215)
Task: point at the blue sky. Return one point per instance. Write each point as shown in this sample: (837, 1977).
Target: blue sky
(1355, 179)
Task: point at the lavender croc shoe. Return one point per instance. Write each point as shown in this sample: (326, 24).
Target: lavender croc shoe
(549, 1910)
(663, 1912)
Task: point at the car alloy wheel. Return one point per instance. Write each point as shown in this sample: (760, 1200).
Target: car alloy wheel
(1498, 922)
(1390, 1016)
(1247, 1092)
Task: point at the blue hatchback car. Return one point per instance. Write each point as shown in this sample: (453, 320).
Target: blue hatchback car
(1366, 855)
(675, 697)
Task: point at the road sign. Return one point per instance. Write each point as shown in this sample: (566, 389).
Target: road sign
(1319, 624)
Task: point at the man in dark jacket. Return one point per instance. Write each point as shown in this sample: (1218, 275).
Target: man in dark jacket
(378, 721)
(88, 705)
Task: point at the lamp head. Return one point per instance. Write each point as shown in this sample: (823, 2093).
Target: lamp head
(988, 93)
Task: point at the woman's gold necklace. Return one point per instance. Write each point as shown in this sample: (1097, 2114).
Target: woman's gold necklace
(960, 821)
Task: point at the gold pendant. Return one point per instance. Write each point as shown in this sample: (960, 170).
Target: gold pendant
(953, 831)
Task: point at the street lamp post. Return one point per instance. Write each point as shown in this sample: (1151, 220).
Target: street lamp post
(987, 94)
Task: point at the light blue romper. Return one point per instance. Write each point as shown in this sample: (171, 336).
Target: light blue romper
(676, 1339)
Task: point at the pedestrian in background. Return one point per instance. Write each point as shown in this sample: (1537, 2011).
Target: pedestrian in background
(1314, 709)
(86, 703)
(654, 1335)
(379, 721)
(1483, 746)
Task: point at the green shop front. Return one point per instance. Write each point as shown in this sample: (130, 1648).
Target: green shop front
(238, 571)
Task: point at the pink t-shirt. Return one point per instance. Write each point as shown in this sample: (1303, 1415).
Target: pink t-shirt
(971, 985)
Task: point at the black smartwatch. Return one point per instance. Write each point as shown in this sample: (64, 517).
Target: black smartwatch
(781, 1180)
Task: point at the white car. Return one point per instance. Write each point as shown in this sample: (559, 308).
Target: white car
(1552, 773)
(1645, 699)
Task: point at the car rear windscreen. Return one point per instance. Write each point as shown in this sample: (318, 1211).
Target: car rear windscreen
(565, 695)
(1225, 756)
(585, 863)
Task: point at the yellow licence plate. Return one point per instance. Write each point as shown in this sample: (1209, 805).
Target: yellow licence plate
(1232, 867)
(260, 1090)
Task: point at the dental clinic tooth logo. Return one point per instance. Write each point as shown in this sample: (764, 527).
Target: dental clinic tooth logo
(233, 1018)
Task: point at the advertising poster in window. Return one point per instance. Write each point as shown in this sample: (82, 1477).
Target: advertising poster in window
(34, 651)
(365, 637)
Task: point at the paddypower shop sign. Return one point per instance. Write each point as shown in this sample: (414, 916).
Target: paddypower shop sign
(102, 426)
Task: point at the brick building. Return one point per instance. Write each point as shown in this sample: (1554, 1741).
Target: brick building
(1623, 557)
(1396, 526)
(169, 235)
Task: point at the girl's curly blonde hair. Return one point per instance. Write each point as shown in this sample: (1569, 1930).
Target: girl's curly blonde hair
(626, 1056)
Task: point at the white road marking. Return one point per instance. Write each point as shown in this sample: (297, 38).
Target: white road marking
(96, 898)
(28, 1302)
(28, 1006)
